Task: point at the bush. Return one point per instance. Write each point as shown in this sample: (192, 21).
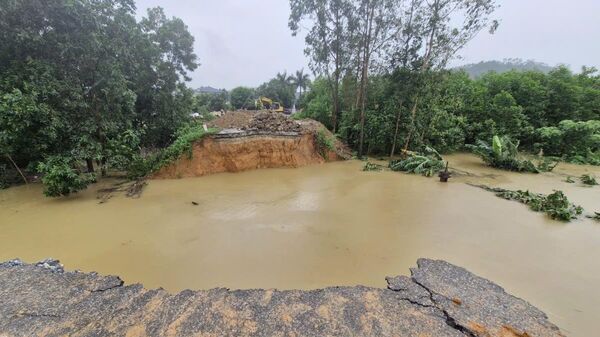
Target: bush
(587, 179)
(324, 143)
(61, 178)
(577, 142)
(186, 136)
(426, 164)
(447, 131)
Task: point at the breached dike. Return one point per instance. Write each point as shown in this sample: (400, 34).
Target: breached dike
(439, 299)
(234, 150)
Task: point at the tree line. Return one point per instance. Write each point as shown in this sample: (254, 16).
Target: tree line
(86, 82)
(383, 83)
(283, 88)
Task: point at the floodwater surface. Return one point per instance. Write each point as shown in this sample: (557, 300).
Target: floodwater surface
(319, 226)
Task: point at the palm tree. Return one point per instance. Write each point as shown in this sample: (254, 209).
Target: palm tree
(301, 80)
(283, 78)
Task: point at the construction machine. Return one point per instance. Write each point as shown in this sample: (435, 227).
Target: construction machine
(267, 103)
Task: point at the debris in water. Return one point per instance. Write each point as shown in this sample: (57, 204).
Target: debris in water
(195, 203)
(372, 167)
(589, 180)
(131, 189)
(445, 174)
(556, 204)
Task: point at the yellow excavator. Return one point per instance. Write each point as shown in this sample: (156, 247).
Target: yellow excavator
(267, 103)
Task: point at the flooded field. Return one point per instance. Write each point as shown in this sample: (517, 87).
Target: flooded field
(320, 226)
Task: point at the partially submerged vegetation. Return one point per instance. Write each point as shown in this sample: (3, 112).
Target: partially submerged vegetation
(589, 180)
(427, 163)
(370, 166)
(556, 204)
(503, 154)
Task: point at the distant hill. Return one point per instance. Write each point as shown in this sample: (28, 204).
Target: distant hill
(477, 69)
(208, 90)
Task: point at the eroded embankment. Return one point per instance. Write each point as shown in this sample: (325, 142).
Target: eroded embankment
(257, 139)
(439, 299)
(241, 151)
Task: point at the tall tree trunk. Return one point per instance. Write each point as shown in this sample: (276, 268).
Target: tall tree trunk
(413, 114)
(362, 111)
(365, 77)
(90, 165)
(398, 115)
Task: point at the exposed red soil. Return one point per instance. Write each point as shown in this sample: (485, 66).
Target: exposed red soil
(281, 142)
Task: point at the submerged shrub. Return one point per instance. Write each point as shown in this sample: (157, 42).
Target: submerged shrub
(427, 163)
(61, 178)
(372, 167)
(587, 179)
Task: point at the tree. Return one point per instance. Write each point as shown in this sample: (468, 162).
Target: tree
(90, 73)
(279, 89)
(301, 81)
(242, 97)
(329, 41)
(376, 27)
(432, 33)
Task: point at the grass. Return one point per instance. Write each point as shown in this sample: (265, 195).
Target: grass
(324, 143)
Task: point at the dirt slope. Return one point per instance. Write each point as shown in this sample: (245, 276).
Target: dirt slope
(254, 140)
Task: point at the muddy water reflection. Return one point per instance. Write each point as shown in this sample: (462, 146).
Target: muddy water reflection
(319, 226)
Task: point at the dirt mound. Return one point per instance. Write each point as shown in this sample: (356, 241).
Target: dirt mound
(257, 121)
(215, 155)
(272, 122)
(262, 139)
(233, 120)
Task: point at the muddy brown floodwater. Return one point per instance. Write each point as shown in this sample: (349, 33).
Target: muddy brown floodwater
(322, 225)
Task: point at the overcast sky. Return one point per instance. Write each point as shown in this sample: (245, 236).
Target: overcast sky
(246, 42)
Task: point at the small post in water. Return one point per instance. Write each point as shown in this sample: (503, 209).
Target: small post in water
(444, 175)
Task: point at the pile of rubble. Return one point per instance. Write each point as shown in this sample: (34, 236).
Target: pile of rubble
(272, 122)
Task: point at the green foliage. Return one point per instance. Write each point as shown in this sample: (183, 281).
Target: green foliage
(324, 143)
(447, 132)
(577, 142)
(369, 166)
(503, 154)
(183, 144)
(569, 180)
(61, 177)
(242, 98)
(318, 106)
(426, 164)
(556, 204)
(589, 180)
(280, 89)
(476, 70)
(87, 81)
